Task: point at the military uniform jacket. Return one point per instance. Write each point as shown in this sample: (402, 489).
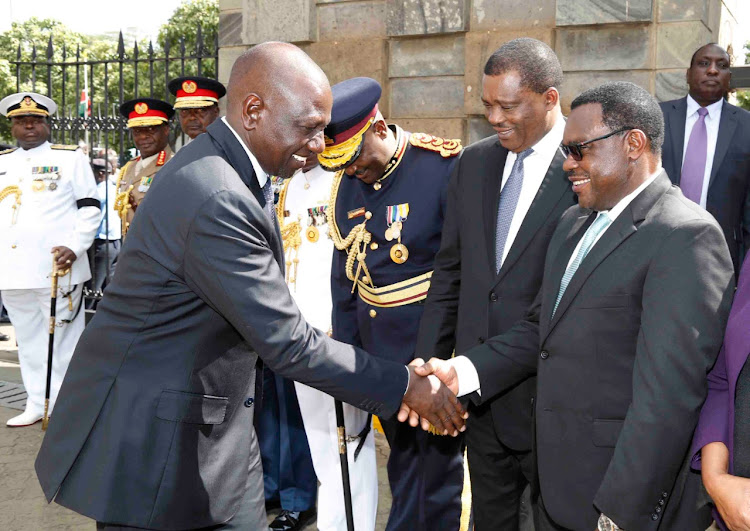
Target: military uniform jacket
(49, 199)
(141, 180)
(419, 179)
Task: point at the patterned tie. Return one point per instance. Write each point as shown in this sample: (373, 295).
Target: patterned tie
(601, 222)
(508, 201)
(694, 167)
(268, 196)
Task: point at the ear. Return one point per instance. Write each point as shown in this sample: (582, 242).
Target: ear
(551, 98)
(252, 106)
(637, 144)
(380, 128)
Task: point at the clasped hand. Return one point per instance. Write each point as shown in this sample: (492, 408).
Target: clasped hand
(431, 398)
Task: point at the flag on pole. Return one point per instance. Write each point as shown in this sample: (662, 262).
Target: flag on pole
(84, 105)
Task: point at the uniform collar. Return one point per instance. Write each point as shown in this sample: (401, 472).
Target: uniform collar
(39, 149)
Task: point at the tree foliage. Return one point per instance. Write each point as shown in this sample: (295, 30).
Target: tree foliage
(743, 96)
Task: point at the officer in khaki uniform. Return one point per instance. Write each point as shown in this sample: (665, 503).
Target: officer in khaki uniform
(196, 102)
(148, 121)
(48, 204)
(386, 217)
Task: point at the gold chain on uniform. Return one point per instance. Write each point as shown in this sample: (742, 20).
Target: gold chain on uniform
(356, 241)
(122, 199)
(12, 190)
(291, 236)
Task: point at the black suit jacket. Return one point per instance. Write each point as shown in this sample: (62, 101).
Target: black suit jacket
(729, 185)
(468, 301)
(621, 367)
(153, 427)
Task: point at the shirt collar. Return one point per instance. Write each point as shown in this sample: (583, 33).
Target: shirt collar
(714, 110)
(552, 140)
(625, 201)
(259, 173)
(41, 147)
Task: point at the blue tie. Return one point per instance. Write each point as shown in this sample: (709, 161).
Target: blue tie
(268, 196)
(601, 222)
(508, 201)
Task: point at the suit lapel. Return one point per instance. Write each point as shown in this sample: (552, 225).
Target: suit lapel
(493, 178)
(727, 126)
(676, 118)
(550, 191)
(621, 229)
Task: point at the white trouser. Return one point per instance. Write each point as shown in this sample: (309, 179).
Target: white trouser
(319, 417)
(29, 311)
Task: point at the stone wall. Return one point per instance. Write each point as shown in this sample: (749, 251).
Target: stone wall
(429, 54)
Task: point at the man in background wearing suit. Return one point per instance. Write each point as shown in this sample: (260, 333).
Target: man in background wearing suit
(630, 317)
(154, 424)
(707, 147)
(504, 200)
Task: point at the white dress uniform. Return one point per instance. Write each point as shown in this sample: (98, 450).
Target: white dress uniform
(303, 200)
(51, 200)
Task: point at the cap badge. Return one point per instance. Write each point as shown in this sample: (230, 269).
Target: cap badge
(141, 108)
(189, 86)
(28, 103)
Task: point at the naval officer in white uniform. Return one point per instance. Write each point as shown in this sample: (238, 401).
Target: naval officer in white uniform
(48, 204)
(301, 209)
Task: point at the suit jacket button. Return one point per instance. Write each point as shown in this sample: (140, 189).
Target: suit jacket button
(480, 339)
(493, 296)
(249, 401)
(654, 517)
(664, 495)
(661, 502)
(657, 509)
(544, 355)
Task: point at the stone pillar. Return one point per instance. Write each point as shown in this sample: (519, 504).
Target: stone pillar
(429, 55)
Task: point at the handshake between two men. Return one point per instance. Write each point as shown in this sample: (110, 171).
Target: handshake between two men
(431, 398)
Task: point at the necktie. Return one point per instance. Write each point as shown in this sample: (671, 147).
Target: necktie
(268, 196)
(601, 222)
(508, 201)
(694, 166)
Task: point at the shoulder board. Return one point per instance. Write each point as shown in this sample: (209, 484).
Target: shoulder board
(447, 147)
(64, 146)
(6, 151)
(162, 158)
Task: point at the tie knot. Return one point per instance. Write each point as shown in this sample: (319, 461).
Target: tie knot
(523, 154)
(702, 112)
(601, 222)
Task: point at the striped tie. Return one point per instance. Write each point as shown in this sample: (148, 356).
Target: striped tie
(268, 196)
(601, 222)
(507, 207)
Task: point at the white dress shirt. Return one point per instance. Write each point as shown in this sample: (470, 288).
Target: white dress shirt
(713, 119)
(535, 168)
(261, 175)
(468, 378)
(115, 227)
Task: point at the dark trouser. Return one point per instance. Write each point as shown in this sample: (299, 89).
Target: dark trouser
(499, 476)
(288, 472)
(426, 476)
(105, 253)
(542, 520)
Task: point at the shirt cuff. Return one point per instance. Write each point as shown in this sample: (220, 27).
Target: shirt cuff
(468, 378)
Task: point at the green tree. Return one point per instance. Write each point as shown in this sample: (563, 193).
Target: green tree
(743, 96)
(183, 24)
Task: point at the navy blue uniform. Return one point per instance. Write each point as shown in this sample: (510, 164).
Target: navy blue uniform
(382, 316)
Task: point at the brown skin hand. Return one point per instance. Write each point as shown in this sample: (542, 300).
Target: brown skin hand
(519, 116)
(378, 147)
(30, 131)
(195, 121)
(281, 121)
(615, 166)
(433, 401)
(150, 140)
(708, 76)
(65, 257)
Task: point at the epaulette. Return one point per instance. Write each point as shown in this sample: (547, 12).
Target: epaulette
(447, 147)
(6, 151)
(66, 147)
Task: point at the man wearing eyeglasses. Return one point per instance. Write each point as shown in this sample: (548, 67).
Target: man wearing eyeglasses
(196, 102)
(707, 147)
(635, 296)
(506, 196)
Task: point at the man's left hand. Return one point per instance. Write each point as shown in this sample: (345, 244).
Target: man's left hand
(65, 257)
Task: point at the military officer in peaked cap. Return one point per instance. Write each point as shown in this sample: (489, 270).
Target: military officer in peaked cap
(148, 121)
(48, 205)
(196, 102)
(385, 215)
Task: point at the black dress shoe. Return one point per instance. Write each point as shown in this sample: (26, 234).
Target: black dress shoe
(292, 520)
(4, 337)
(272, 505)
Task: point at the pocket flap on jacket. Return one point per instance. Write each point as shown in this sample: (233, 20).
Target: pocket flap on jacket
(191, 408)
(606, 432)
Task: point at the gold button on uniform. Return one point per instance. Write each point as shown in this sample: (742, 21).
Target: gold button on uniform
(13, 246)
(368, 215)
(373, 246)
(373, 313)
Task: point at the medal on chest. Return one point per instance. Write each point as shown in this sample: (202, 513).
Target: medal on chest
(145, 184)
(45, 177)
(396, 215)
(316, 217)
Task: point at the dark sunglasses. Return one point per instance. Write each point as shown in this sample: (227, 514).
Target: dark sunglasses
(574, 149)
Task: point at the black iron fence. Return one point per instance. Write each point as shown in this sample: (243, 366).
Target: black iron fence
(89, 92)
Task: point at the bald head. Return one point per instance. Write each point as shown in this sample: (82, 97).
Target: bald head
(278, 102)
